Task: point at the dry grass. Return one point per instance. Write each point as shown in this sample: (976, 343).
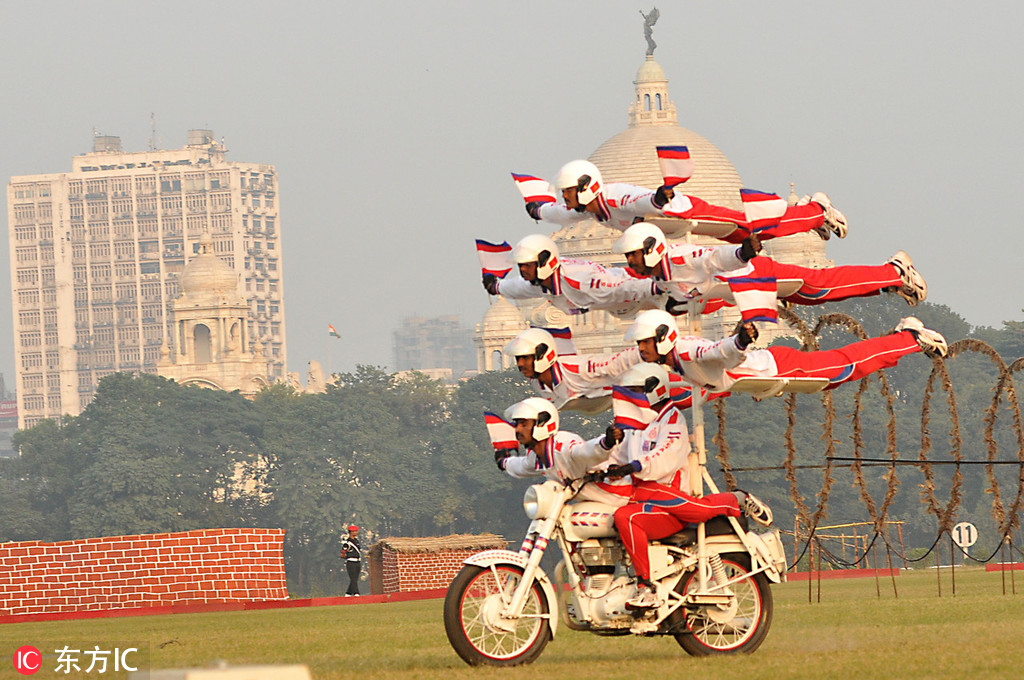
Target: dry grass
(852, 633)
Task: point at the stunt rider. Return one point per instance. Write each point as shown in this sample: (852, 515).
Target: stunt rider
(717, 365)
(581, 382)
(573, 286)
(618, 205)
(723, 272)
(655, 459)
(555, 454)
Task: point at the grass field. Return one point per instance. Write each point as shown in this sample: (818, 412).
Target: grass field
(852, 633)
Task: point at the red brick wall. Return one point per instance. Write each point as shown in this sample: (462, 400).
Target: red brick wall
(117, 572)
(403, 572)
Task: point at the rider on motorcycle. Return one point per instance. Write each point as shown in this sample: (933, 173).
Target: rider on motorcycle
(555, 454)
(656, 460)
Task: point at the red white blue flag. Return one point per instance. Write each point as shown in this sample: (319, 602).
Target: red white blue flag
(762, 209)
(501, 432)
(632, 410)
(564, 344)
(681, 393)
(756, 291)
(495, 258)
(676, 164)
(534, 189)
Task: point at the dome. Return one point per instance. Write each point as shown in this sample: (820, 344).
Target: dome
(650, 72)
(502, 315)
(207, 276)
(630, 157)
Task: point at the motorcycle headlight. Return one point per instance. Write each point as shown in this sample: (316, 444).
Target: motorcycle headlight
(537, 500)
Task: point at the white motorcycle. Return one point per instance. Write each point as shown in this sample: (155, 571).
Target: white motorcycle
(712, 582)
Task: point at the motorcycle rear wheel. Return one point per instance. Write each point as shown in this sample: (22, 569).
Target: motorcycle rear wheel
(470, 606)
(712, 631)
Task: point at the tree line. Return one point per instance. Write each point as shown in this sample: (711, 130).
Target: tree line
(409, 456)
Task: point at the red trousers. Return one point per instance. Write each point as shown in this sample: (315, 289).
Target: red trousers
(796, 220)
(806, 286)
(851, 362)
(657, 511)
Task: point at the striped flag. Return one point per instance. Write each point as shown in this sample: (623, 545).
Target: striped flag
(534, 189)
(564, 344)
(501, 432)
(681, 393)
(632, 409)
(762, 209)
(331, 331)
(676, 164)
(495, 258)
(756, 292)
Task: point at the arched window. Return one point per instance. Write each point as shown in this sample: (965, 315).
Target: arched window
(647, 102)
(657, 100)
(497, 360)
(201, 336)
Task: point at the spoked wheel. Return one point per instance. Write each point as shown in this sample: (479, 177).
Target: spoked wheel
(472, 619)
(739, 627)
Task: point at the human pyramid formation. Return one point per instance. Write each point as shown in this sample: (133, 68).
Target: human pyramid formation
(644, 452)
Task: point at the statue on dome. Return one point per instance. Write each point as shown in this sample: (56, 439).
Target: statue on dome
(650, 19)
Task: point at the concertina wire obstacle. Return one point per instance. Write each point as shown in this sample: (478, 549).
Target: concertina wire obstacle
(1007, 520)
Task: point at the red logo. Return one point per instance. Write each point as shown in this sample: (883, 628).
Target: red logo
(27, 660)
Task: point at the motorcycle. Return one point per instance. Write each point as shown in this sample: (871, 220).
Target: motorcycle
(711, 580)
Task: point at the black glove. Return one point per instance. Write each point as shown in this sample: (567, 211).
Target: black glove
(533, 209)
(746, 333)
(612, 436)
(750, 247)
(662, 196)
(501, 455)
(491, 284)
(618, 471)
(675, 307)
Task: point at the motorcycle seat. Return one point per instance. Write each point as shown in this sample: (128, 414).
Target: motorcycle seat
(716, 526)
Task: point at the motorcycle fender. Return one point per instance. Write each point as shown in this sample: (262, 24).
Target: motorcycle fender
(761, 554)
(489, 558)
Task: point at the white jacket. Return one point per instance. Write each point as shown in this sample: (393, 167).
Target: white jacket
(662, 449)
(567, 456)
(621, 204)
(718, 364)
(580, 286)
(584, 382)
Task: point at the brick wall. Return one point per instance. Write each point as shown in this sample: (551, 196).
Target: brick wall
(117, 572)
(423, 571)
(404, 564)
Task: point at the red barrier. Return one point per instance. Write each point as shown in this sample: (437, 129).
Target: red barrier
(208, 566)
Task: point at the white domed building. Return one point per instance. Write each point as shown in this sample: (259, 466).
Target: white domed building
(631, 157)
(210, 316)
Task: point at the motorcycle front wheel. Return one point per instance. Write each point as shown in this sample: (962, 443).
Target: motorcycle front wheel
(478, 635)
(740, 627)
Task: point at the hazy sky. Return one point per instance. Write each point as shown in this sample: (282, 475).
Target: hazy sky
(394, 126)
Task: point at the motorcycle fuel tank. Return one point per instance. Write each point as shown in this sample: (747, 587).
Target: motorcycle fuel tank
(588, 519)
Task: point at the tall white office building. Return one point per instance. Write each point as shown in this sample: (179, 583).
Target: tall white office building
(97, 253)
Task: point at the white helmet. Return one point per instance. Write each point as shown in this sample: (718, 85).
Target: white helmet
(536, 343)
(652, 379)
(657, 324)
(645, 237)
(540, 249)
(583, 175)
(541, 411)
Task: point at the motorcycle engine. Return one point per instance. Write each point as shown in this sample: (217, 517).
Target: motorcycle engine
(600, 555)
(606, 585)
